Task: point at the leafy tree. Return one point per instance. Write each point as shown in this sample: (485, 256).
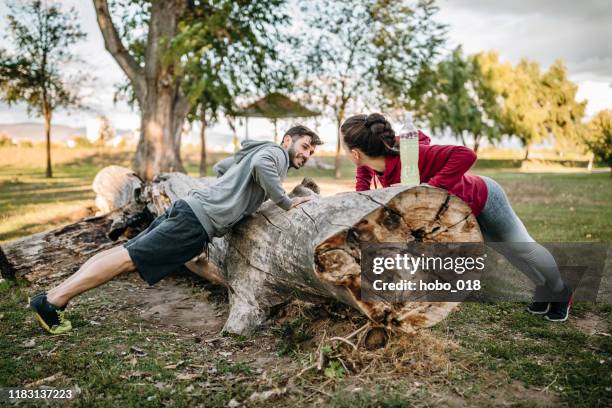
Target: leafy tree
(42, 36)
(462, 100)
(535, 104)
(598, 137)
(526, 113)
(217, 78)
(408, 40)
(159, 46)
(361, 54)
(565, 113)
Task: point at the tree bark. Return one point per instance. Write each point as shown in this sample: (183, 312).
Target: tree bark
(6, 268)
(115, 187)
(55, 254)
(311, 252)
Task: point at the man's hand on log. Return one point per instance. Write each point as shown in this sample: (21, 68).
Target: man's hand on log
(299, 200)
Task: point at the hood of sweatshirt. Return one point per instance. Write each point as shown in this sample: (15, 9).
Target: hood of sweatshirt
(423, 138)
(249, 146)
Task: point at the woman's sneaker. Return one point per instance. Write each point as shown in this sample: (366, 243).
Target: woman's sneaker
(539, 306)
(559, 311)
(50, 317)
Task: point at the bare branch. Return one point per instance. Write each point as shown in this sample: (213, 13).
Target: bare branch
(113, 44)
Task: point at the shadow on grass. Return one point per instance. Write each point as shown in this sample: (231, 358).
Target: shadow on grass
(42, 194)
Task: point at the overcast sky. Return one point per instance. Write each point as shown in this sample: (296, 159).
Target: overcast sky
(578, 32)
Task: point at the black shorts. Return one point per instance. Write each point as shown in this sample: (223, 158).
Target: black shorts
(169, 241)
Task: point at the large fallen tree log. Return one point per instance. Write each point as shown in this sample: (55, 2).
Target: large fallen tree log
(310, 252)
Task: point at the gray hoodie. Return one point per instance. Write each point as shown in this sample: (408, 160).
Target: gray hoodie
(247, 179)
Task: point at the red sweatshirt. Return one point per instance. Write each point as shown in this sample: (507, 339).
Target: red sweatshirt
(443, 166)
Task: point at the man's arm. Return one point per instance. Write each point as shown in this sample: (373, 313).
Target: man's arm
(223, 165)
(265, 167)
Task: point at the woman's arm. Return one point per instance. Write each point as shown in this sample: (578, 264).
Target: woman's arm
(458, 160)
(363, 178)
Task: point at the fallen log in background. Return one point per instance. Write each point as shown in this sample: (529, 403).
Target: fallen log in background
(312, 251)
(56, 253)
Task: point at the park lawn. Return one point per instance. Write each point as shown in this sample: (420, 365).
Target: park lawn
(31, 203)
(554, 206)
(488, 354)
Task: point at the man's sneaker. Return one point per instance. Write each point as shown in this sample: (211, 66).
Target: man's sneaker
(559, 311)
(50, 317)
(38, 295)
(539, 306)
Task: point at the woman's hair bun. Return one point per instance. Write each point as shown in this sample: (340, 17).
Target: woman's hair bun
(375, 118)
(381, 128)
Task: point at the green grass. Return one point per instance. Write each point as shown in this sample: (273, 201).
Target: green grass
(571, 363)
(560, 207)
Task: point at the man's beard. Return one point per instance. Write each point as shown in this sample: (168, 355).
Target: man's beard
(293, 156)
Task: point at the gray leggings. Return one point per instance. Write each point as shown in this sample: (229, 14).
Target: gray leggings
(499, 223)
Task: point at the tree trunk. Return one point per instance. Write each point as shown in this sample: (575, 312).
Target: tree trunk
(203, 164)
(310, 252)
(337, 172)
(476, 143)
(526, 157)
(462, 135)
(157, 88)
(47, 116)
(161, 124)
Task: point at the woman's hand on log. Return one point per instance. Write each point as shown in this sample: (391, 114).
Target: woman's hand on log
(400, 184)
(299, 200)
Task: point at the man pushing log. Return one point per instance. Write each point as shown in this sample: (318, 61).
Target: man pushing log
(253, 175)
